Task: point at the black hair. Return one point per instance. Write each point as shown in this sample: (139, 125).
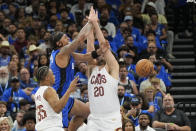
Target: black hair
(149, 117)
(42, 73)
(55, 37)
(39, 58)
(30, 115)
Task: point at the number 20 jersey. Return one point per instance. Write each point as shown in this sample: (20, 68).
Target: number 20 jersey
(102, 92)
(46, 117)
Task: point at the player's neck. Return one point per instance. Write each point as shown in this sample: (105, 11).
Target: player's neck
(44, 83)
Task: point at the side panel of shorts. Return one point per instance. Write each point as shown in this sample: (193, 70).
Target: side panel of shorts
(65, 112)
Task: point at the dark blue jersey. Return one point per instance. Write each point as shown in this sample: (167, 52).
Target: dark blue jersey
(63, 76)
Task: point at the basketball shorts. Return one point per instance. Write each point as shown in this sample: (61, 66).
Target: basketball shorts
(54, 129)
(65, 112)
(104, 123)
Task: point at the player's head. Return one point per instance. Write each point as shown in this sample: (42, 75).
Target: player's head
(58, 40)
(44, 74)
(100, 59)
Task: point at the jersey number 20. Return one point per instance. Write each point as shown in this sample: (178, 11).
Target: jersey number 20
(98, 91)
(41, 113)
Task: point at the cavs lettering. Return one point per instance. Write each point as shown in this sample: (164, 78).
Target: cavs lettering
(98, 80)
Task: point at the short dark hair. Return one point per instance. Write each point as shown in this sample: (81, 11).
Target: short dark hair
(30, 115)
(42, 73)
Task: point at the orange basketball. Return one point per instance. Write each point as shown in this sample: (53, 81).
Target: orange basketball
(144, 67)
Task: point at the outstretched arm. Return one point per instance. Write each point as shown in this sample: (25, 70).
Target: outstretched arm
(58, 104)
(68, 49)
(112, 63)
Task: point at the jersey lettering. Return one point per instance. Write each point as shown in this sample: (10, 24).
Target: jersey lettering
(41, 112)
(99, 79)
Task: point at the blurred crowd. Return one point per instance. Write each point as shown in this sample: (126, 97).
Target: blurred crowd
(135, 29)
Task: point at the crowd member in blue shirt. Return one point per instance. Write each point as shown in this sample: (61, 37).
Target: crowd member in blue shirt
(136, 109)
(14, 94)
(26, 83)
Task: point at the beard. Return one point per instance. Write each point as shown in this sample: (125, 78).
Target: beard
(4, 80)
(101, 62)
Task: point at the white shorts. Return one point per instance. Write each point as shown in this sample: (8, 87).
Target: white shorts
(53, 129)
(105, 123)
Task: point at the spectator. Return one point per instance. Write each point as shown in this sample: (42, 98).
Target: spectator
(42, 14)
(158, 28)
(13, 95)
(29, 121)
(132, 45)
(170, 118)
(4, 50)
(26, 83)
(66, 20)
(5, 124)
(121, 34)
(59, 26)
(15, 58)
(71, 29)
(4, 78)
(43, 60)
(3, 109)
(136, 108)
(128, 125)
(44, 43)
(80, 8)
(123, 98)
(18, 125)
(104, 21)
(21, 40)
(33, 58)
(152, 50)
(146, 83)
(13, 69)
(24, 105)
(144, 123)
(84, 94)
(134, 31)
(52, 23)
(12, 33)
(130, 86)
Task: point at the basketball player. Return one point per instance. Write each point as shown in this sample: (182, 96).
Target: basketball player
(102, 85)
(62, 65)
(48, 104)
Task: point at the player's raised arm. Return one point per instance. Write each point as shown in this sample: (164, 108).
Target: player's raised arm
(104, 45)
(71, 47)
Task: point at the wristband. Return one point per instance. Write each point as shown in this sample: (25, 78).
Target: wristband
(94, 54)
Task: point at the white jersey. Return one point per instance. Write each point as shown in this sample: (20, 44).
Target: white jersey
(102, 91)
(46, 117)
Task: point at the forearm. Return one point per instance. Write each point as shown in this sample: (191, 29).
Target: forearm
(184, 128)
(157, 124)
(90, 42)
(99, 33)
(81, 37)
(169, 66)
(62, 102)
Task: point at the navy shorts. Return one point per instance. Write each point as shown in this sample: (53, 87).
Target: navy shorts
(65, 112)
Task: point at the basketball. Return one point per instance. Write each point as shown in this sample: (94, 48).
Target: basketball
(144, 67)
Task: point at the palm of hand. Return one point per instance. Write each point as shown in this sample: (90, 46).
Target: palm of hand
(93, 16)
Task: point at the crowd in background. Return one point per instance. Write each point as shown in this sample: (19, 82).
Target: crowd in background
(135, 29)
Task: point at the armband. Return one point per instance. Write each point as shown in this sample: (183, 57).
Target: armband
(94, 54)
